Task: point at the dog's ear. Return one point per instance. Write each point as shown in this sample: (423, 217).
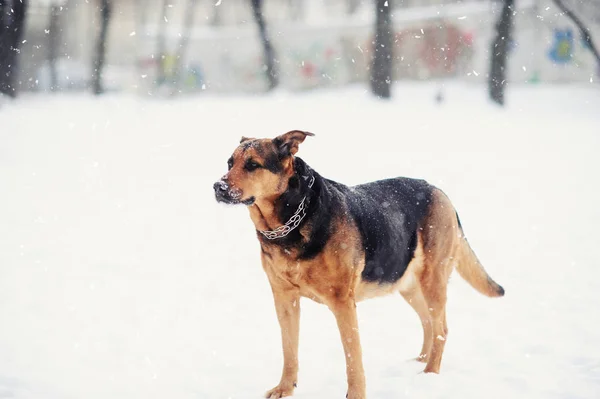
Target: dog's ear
(287, 143)
(244, 138)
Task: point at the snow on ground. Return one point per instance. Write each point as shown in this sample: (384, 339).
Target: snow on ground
(121, 277)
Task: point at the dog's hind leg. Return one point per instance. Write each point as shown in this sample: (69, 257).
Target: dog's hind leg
(435, 295)
(417, 301)
(439, 232)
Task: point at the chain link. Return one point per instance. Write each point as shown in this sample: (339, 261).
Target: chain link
(294, 221)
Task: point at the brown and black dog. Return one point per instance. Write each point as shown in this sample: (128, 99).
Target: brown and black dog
(338, 245)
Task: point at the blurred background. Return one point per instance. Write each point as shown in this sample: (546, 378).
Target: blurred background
(122, 278)
(167, 47)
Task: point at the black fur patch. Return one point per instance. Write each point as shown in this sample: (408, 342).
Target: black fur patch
(387, 213)
(318, 213)
(273, 163)
(458, 220)
(283, 149)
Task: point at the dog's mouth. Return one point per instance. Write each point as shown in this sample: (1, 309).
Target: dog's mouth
(228, 195)
(227, 198)
(248, 201)
(233, 201)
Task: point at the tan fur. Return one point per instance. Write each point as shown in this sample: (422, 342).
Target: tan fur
(333, 277)
(472, 271)
(261, 184)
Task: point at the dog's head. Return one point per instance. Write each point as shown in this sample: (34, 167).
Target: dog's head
(259, 169)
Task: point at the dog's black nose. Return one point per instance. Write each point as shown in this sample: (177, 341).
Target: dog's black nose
(220, 187)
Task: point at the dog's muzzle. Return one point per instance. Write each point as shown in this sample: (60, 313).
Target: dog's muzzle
(228, 195)
(223, 192)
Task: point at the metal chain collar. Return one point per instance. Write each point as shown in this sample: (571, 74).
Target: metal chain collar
(294, 221)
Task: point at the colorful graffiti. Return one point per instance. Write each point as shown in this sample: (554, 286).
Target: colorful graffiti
(561, 50)
(315, 64)
(436, 50)
(190, 77)
(430, 52)
(245, 73)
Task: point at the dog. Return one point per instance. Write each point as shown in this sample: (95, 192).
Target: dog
(339, 245)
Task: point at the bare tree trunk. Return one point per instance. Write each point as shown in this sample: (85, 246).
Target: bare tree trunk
(5, 87)
(352, 6)
(12, 27)
(269, 54)
(381, 69)
(106, 12)
(497, 78)
(216, 17)
(585, 31)
(161, 46)
(53, 40)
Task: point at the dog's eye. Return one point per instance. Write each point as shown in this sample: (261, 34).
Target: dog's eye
(230, 163)
(251, 165)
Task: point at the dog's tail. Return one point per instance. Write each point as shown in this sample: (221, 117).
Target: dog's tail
(472, 271)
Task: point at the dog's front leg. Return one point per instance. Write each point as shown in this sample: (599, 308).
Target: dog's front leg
(287, 305)
(345, 315)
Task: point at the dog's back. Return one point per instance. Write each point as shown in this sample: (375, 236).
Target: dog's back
(387, 214)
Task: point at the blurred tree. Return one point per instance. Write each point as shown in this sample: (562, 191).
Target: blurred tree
(381, 69)
(352, 6)
(141, 12)
(53, 41)
(161, 47)
(269, 54)
(217, 16)
(586, 34)
(184, 41)
(296, 9)
(497, 77)
(106, 13)
(12, 27)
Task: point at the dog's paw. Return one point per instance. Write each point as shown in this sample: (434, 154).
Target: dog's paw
(356, 395)
(431, 370)
(281, 391)
(421, 358)
(356, 392)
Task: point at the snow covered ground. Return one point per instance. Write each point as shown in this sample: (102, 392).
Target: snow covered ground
(121, 277)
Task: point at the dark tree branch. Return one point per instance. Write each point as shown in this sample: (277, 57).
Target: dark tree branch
(53, 40)
(269, 53)
(585, 32)
(105, 10)
(12, 27)
(381, 68)
(497, 78)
